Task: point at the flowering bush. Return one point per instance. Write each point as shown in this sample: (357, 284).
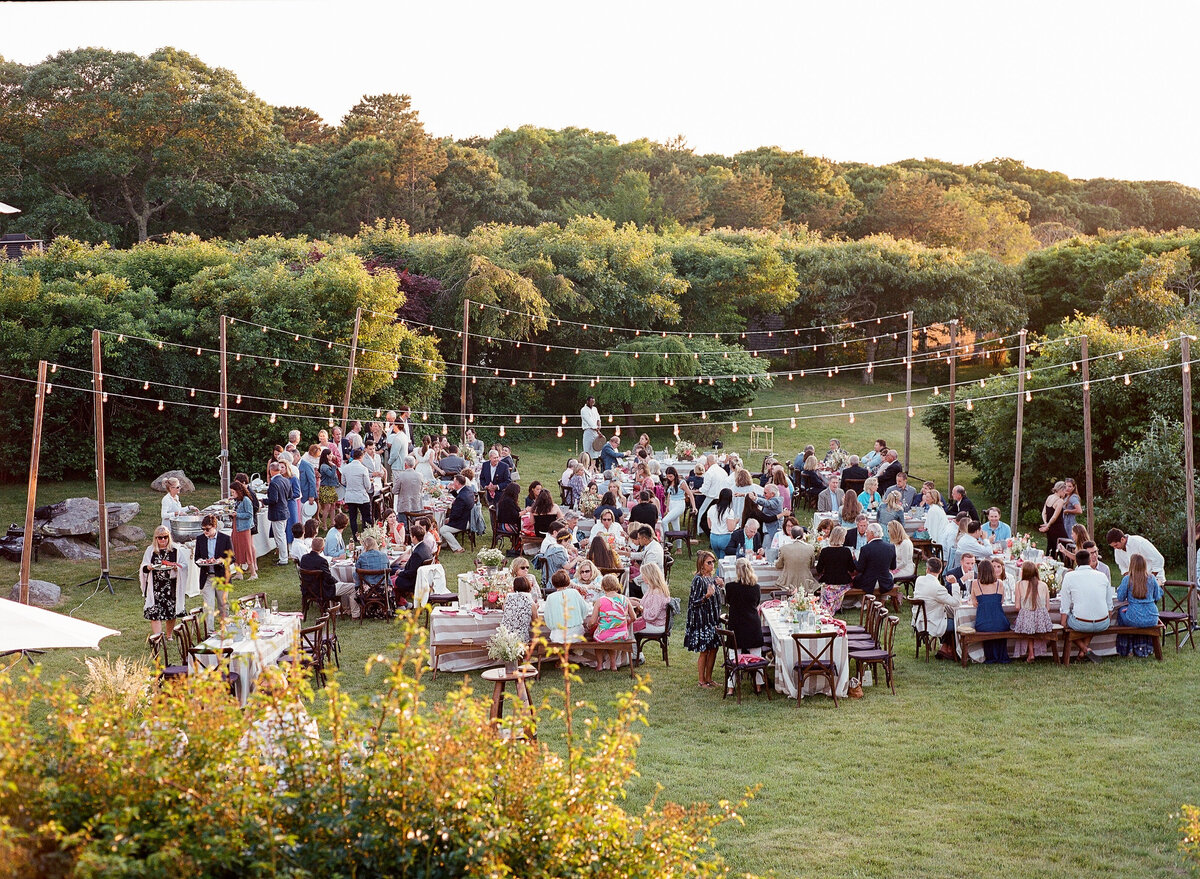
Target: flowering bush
(396, 788)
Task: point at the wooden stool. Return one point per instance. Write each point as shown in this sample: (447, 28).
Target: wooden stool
(500, 678)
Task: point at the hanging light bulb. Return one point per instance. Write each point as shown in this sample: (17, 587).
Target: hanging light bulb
(851, 417)
(518, 421)
(802, 373)
(1028, 397)
(843, 402)
(791, 376)
(445, 429)
(501, 430)
(330, 345)
(121, 338)
(703, 416)
(617, 432)
(160, 405)
(216, 412)
(657, 419)
(1127, 378)
(160, 345)
(197, 352)
(749, 413)
(889, 396)
(936, 392)
(239, 399)
(54, 367)
(1166, 345)
(560, 431)
(710, 380)
(610, 419)
(970, 405)
(675, 429)
(910, 411)
(285, 404)
(316, 367)
(1074, 366)
(276, 361)
(471, 418)
(272, 418)
(793, 424)
(330, 410)
(870, 367)
(829, 374)
(104, 397)
(735, 427)
(49, 389)
(982, 383)
(632, 383)
(145, 386)
(378, 413)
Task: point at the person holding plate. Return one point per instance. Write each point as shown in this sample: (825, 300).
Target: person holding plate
(163, 578)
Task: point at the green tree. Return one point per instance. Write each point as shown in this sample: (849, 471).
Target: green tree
(1143, 297)
(742, 199)
(471, 190)
(813, 191)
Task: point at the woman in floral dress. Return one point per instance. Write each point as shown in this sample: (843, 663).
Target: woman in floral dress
(163, 579)
(703, 612)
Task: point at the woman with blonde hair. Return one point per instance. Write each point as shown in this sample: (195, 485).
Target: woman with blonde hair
(163, 578)
(587, 577)
(835, 569)
(611, 616)
(703, 616)
(743, 599)
(905, 566)
(869, 496)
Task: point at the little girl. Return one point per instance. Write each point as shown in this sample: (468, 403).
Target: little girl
(1033, 601)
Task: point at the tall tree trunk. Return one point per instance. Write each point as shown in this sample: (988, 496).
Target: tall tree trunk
(868, 378)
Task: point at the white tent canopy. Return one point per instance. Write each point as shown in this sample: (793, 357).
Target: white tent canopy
(25, 627)
(8, 209)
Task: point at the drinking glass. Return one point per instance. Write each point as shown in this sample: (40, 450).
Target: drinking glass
(274, 607)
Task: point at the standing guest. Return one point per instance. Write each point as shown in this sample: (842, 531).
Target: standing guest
(407, 488)
(795, 561)
(458, 519)
(279, 492)
(721, 522)
(331, 480)
(715, 480)
(163, 579)
(1142, 592)
(309, 465)
(783, 487)
(1085, 602)
(939, 605)
(1126, 546)
(1072, 506)
(214, 549)
(243, 530)
(679, 499)
(876, 561)
(397, 443)
(589, 422)
(1032, 598)
(905, 566)
(835, 569)
(494, 476)
(565, 611)
(372, 461)
(767, 511)
(519, 609)
(424, 457)
(471, 442)
(987, 596)
(743, 487)
(703, 612)
(1052, 521)
(335, 546)
(743, 598)
(656, 599)
(171, 506)
(358, 492)
(831, 499)
(288, 469)
(995, 531)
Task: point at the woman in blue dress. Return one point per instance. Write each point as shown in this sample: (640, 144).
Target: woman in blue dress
(1142, 592)
(987, 594)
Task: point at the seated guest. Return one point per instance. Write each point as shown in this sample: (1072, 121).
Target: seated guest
(743, 598)
(558, 555)
(656, 599)
(869, 497)
(856, 470)
(610, 455)
(850, 510)
(216, 545)
(612, 503)
(830, 500)
(299, 547)
(519, 609)
(987, 596)
(905, 567)
(872, 459)
(602, 554)
(645, 510)
(331, 587)
(535, 489)
(1032, 599)
(406, 579)
(611, 616)
(587, 577)
(876, 561)
(747, 541)
(1085, 601)
(1078, 537)
(451, 463)
(908, 494)
(576, 484)
(835, 447)
(795, 561)
(372, 558)
(1094, 559)
(860, 536)
(961, 578)
(508, 513)
(606, 526)
(1142, 592)
(334, 547)
(960, 503)
(939, 604)
(458, 518)
(956, 533)
(545, 511)
(995, 531)
(892, 510)
(974, 542)
(835, 569)
(565, 611)
(649, 552)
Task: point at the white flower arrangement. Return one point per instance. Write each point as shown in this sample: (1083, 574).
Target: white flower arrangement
(684, 450)
(839, 460)
(506, 646)
(490, 558)
(377, 532)
(1048, 574)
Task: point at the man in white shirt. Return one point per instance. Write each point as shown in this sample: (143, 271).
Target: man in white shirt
(939, 604)
(589, 420)
(715, 479)
(649, 552)
(1124, 545)
(975, 542)
(1085, 602)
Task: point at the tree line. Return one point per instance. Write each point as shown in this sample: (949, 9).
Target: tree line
(112, 146)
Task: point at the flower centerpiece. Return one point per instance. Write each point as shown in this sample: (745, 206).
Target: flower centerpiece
(376, 531)
(468, 453)
(1048, 574)
(434, 489)
(588, 502)
(805, 609)
(506, 646)
(490, 558)
(684, 450)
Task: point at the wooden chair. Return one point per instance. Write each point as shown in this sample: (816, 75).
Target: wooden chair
(687, 533)
(905, 583)
(814, 655)
(735, 668)
(221, 657)
(1175, 611)
(183, 638)
(311, 650)
(855, 485)
(254, 599)
(919, 625)
(881, 655)
(663, 638)
(160, 655)
(333, 647)
(668, 563)
(312, 588)
(374, 594)
(196, 623)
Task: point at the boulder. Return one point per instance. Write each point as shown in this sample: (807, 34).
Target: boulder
(81, 516)
(74, 548)
(127, 534)
(185, 484)
(41, 593)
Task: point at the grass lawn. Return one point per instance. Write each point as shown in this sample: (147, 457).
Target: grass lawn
(999, 771)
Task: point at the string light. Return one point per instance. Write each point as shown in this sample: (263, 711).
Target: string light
(285, 404)
(501, 430)
(889, 397)
(560, 431)
(216, 412)
(970, 405)
(735, 429)
(843, 402)
(518, 419)
(793, 424)
(910, 412)
(145, 386)
(1028, 396)
(703, 416)
(749, 413)
(121, 338)
(272, 418)
(851, 417)
(104, 397)
(1120, 355)
(657, 419)
(49, 390)
(238, 401)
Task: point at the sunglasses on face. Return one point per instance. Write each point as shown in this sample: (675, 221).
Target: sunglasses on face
(162, 537)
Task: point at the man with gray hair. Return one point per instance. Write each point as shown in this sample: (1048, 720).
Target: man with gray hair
(876, 561)
(407, 488)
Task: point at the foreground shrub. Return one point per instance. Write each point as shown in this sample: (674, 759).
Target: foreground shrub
(393, 788)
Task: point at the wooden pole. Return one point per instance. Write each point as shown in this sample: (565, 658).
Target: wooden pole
(465, 337)
(350, 371)
(1087, 437)
(39, 407)
(1189, 464)
(98, 398)
(953, 365)
(1016, 489)
(908, 392)
(224, 412)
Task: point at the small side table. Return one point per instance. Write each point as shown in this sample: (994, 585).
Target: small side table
(500, 678)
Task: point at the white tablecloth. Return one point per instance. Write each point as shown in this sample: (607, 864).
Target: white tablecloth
(785, 658)
(453, 627)
(252, 655)
(1103, 643)
(767, 573)
(911, 525)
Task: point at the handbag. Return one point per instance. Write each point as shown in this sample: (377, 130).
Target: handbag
(638, 625)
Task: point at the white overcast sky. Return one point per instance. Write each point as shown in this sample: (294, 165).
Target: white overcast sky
(1094, 89)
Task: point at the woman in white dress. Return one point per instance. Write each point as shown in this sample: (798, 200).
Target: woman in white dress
(424, 458)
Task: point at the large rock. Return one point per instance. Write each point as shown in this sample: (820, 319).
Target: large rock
(185, 484)
(41, 593)
(74, 548)
(81, 516)
(127, 534)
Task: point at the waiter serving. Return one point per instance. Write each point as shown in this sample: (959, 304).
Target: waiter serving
(589, 417)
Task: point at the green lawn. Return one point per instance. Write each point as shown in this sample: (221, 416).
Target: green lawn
(1000, 771)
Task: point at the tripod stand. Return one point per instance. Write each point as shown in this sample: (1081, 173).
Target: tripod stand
(104, 577)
